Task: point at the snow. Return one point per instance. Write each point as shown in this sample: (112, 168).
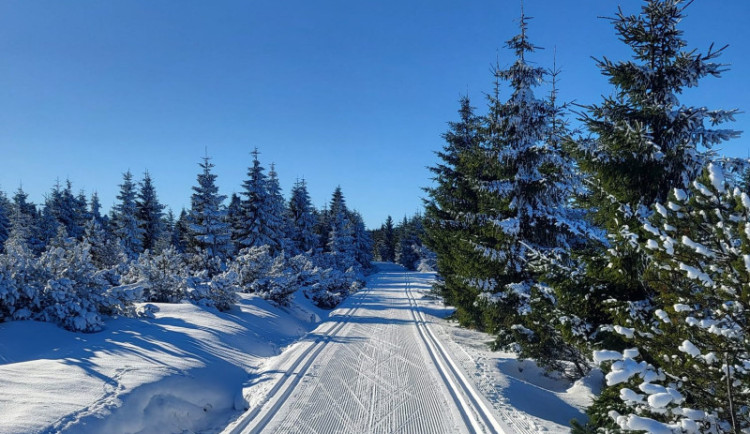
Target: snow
(680, 194)
(689, 348)
(386, 349)
(182, 370)
(625, 331)
(699, 248)
(716, 175)
(606, 355)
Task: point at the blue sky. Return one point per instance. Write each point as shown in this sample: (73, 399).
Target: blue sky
(340, 92)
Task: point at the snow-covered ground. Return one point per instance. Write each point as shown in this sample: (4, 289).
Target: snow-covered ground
(182, 371)
(390, 363)
(384, 361)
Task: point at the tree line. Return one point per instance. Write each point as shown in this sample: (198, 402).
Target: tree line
(625, 244)
(67, 262)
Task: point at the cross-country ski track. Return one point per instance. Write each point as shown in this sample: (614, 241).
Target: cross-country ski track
(375, 367)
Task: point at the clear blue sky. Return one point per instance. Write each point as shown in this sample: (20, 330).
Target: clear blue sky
(350, 93)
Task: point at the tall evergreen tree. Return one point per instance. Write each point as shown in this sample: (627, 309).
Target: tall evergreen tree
(362, 241)
(150, 212)
(66, 209)
(234, 218)
(451, 200)
(340, 239)
(95, 207)
(5, 211)
(25, 223)
(127, 226)
(388, 251)
(181, 238)
(208, 217)
(258, 227)
(278, 222)
(645, 143)
(302, 219)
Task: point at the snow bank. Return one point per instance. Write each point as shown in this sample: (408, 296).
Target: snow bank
(181, 371)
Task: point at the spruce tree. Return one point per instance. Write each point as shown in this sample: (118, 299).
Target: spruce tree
(5, 211)
(388, 252)
(522, 210)
(362, 240)
(451, 200)
(209, 229)
(340, 238)
(150, 213)
(95, 207)
(26, 222)
(645, 144)
(302, 219)
(66, 209)
(127, 226)
(258, 226)
(181, 238)
(278, 223)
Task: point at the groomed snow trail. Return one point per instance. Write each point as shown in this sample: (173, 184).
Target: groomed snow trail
(375, 367)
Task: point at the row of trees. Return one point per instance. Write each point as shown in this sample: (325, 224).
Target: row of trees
(403, 244)
(68, 263)
(628, 245)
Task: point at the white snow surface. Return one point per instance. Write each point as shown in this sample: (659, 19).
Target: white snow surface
(178, 372)
(390, 363)
(386, 360)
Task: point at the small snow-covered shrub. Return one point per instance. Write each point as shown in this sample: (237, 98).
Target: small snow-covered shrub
(75, 292)
(251, 265)
(21, 281)
(219, 292)
(161, 276)
(65, 306)
(333, 286)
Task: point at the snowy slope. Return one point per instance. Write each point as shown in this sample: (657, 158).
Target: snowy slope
(182, 370)
(384, 364)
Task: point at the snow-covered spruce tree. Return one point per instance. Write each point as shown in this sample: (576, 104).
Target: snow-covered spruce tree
(209, 230)
(302, 218)
(67, 210)
(106, 252)
(150, 212)
(388, 248)
(278, 222)
(26, 222)
(645, 143)
(127, 226)
(181, 238)
(689, 369)
(250, 265)
(75, 293)
(531, 191)
(162, 276)
(278, 283)
(410, 233)
(165, 239)
(5, 212)
(258, 226)
(219, 291)
(340, 238)
(362, 241)
(21, 278)
(234, 218)
(95, 207)
(452, 201)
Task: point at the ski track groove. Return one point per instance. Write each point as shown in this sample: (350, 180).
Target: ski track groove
(384, 352)
(315, 348)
